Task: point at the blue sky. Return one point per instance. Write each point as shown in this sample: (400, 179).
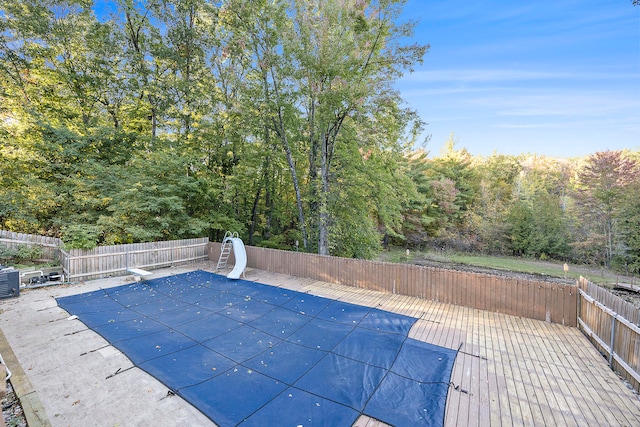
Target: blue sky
(557, 78)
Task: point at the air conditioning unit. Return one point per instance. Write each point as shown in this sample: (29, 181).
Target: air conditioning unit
(9, 283)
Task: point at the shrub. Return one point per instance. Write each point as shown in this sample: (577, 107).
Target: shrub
(24, 253)
(29, 253)
(81, 236)
(6, 253)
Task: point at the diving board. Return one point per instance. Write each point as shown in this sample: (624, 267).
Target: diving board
(139, 271)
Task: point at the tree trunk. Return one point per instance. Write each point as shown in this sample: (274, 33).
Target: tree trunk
(254, 215)
(314, 171)
(327, 145)
(280, 130)
(296, 187)
(323, 219)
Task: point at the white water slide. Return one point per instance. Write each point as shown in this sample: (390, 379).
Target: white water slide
(240, 254)
(231, 242)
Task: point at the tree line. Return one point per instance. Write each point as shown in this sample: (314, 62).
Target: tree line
(585, 210)
(279, 119)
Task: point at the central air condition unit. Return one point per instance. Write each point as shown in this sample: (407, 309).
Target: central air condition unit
(9, 283)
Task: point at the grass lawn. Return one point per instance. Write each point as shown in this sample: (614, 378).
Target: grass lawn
(512, 264)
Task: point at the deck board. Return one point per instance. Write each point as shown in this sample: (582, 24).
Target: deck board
(509, 371)
(565, 410)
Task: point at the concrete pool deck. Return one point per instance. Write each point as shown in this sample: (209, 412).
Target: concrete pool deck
(510, 370)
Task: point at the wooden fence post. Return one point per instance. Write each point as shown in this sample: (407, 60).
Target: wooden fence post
(613, 338)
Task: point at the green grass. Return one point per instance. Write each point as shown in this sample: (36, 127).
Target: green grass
(511, 264)
(50, 264)
(519, 265)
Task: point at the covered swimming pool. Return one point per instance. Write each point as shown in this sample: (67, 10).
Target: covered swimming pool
(249, 354)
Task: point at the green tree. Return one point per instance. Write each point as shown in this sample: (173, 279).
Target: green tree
(601, 184)
(322, 73)
(153, 199)
(446, 186)
(629, 224)
(258, 36)
(487, 218)
(521, 228)
(454, 183)
(350, 56)
(416, 213)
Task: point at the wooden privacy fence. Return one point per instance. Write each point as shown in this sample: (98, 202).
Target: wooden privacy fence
(533, 299)
(113, 260)
(612, 325)
(49, 245)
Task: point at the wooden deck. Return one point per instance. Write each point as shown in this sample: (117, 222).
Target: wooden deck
(509, 370)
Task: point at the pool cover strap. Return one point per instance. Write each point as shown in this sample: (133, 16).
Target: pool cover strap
(248, 354)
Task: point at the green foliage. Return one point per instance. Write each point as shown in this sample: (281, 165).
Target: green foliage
(601, 185)
(629, 225)
(355, 239)
(537, 229)
(23, 253)
(416, 205)
(447, 188)
(276, 242)
(487, 219)
(521, 228)
(457, 166)
(177, 119)
(151, 200)
(80, 236)
(7, 254)
(29, 253)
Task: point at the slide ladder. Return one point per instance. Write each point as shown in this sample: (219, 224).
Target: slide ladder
(225, 249)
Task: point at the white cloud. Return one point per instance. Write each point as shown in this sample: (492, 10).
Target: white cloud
(563, 104)
(508, 75)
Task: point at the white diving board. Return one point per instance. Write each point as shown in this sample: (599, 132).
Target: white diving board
(139, 271)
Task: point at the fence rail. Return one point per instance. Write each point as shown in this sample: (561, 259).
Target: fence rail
(13, 240)
(540, 300)
(117, 259)
(613, 326)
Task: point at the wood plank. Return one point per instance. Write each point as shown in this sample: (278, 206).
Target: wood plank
(587, 412)
(501, 387)
(486, 352)
(32, 406)
(520, 412)
(534, 363)
(474, 390)
(475, 329)
(365, 421)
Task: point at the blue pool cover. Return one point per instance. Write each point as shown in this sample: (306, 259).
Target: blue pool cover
(248, 354)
